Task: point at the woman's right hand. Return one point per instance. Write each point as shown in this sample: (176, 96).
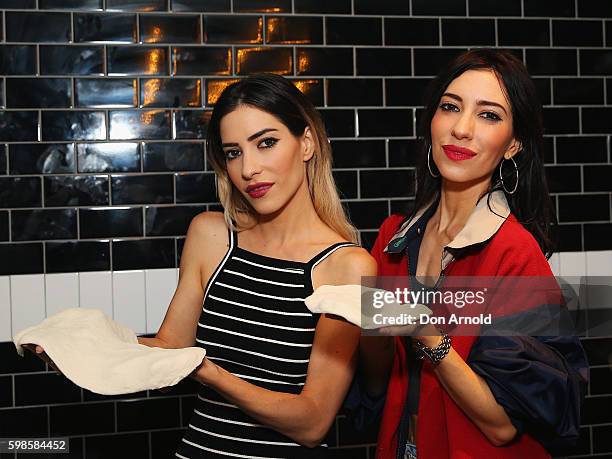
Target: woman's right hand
(40, 352)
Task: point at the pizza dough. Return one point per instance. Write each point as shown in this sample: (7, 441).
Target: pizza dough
(358, 305)
(103, 356)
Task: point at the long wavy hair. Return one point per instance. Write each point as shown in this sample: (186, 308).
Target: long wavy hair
(280, 98)
(531, 203)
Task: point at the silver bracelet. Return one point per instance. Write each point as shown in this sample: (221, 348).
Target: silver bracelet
(436, 354)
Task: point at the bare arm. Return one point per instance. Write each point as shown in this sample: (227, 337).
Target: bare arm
(305, 417)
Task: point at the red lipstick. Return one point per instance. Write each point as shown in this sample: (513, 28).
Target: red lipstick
(457, 153)
(259, 189)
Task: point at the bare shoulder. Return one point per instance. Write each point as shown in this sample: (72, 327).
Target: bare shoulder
(206, 243)
(347, 266)
(210, 225)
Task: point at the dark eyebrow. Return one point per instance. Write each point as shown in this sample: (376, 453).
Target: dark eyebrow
(251, 137)
(480, 102)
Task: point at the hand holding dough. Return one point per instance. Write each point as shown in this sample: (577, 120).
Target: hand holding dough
(355, 303)
(103, 356)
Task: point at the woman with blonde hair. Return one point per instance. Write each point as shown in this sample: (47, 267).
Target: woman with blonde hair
(244, 275)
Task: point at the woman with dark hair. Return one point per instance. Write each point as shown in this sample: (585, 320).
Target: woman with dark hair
(482, 208)
(244, 275)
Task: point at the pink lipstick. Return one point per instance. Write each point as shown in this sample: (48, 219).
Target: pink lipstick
(258, 190)
(458, 153)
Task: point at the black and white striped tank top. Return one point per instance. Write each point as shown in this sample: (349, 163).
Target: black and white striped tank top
(254, 324)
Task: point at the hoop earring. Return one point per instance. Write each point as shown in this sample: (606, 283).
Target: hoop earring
(429, 166)
(502, 179)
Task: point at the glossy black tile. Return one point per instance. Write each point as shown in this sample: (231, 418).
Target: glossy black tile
(569, 238)
(202, 61)
(596, 410)
(175, 156)
(262, 6)
(594, 8)
(41, 158)
(577, 33)
(488, 8)
(597, 237)
(78, 190)
(190, 124)
(258, 60)
(38, 92)
(43, 224)
(233, 29)
(597, 178)
(24, 422)
(386, 7)
(77, 256)
(17, 4)
(71, 60)
(105, 93)
(430, 61)
(214, 88)
(42, 389)
(128, 60)
(463, 32)
(17, 60)
(346, 183)
(93, 5)
(180, 243)
(170, 29)
(353, 31)
(143, 124)
(383, 61)
(579, 91)
(141, 189)
(338, 122)
(410, 31)
(404, 152)
(103, 222)
(10, 361)
(3, 163)
(103, 28)
(20, 192)
(354, 92)
(175, 92)
(68, 419)
(4, 225)
(137, 5)
(578, 208)
(324, 61)
(195, 188)
(323, 6)
(596, 120)
(552, 61)
(207, 6)
(108, 157)
(73, 125)
(313, 89)
(6, 391)
(141, 414)
(22, 259)
(367, 214)
(595, 62)
(549, 8)
(385, 122)
(163, 443)
(18, 126)
(144, 254)
(561, 120)
(406, 91)
(170, 221)
(543, 86)
(438, 8)
(386, 183)
(294, 30)
(563, 178)
(37, 27)
(93, 397)
(582, 149)
(520, 32)
(135, 446)
(601, 379)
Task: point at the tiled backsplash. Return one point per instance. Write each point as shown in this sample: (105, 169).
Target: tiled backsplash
(103, 113)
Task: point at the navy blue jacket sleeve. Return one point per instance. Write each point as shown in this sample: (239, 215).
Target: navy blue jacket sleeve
(363, 408)
(540, 381)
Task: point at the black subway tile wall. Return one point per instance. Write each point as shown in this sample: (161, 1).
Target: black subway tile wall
(104, 106)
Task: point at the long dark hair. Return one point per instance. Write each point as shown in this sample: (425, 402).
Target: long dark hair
(282, 99)
(531, 203)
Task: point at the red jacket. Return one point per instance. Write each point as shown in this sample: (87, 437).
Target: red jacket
(506, 248)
